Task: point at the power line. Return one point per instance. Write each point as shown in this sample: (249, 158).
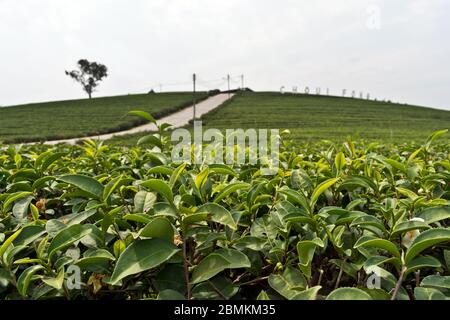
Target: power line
(211, 84)
(207, 83)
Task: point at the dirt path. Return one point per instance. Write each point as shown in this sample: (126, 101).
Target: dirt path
(177, 119)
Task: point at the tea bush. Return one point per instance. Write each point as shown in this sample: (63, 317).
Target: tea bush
(333, 219)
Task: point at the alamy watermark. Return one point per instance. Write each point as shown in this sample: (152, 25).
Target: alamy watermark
(232, 147)
(73, 281)
(374, 279)
(373, 21)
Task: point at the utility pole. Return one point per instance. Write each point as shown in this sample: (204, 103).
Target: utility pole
(242, 81)
(228, 79)
(194, 78)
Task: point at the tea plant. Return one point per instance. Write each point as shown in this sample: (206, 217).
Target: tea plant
(138, 226)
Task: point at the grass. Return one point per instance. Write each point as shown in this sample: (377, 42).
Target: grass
(313, 118)
(75, 118)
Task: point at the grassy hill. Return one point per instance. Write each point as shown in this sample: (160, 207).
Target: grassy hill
(308, 117)
(74, 118)
(313, 118)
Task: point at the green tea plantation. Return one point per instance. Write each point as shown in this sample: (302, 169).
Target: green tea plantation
(337, 221)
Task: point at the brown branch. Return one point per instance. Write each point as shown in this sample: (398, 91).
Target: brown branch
(399, 283)
(253, 281)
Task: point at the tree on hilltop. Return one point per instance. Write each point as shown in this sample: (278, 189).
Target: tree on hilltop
(89, 75)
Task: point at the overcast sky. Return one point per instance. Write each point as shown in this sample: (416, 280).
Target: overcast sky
(394, 49)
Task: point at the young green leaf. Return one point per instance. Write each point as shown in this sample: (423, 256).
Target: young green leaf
(176, 174)
(432, 215)
(435, 135)
(26, 277)
(201, 178)
(111, 187)
(218, 214)
(14, 197)
(406, 226)
(308, 294)
(144, 201)
(321, 189)
(369, 241)
(229, 189)
(158, 227)
(425, 240)
(48, 161)
(85, 183)
(56, 282)
(150, 139)
(147, 116)
(339, 161)
(290, 283)
(348, 294)
(119, 247)
(218, 261)
(208, 267)
(159, 186)
(21, 207)
(296, 197)
(422, 262)
(368, 221)
(142, 255)
(68, 236)
(428, 294)
(437, 282)
(95, 259)
(5, 245)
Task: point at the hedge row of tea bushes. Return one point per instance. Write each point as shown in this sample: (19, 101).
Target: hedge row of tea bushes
(348, 221)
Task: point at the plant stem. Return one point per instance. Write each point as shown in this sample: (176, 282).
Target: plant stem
(338, 280)
(254, 281)
(320, 277)
(417, 274)
(410, 292)
(186, 271)
(217, 290)
(66, 291)
(116, 228)
(341, 271)
(124, 202)
(399, 283)
(240, 277)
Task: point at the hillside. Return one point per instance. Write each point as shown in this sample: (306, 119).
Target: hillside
(75, 118)
(313, 118)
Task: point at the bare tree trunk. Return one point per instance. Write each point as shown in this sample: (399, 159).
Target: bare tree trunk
(90, 95)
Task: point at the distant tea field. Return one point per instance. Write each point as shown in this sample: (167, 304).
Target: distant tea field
(76, 118)
(312, 118)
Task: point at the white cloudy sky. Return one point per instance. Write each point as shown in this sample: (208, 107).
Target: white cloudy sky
(273, 43)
